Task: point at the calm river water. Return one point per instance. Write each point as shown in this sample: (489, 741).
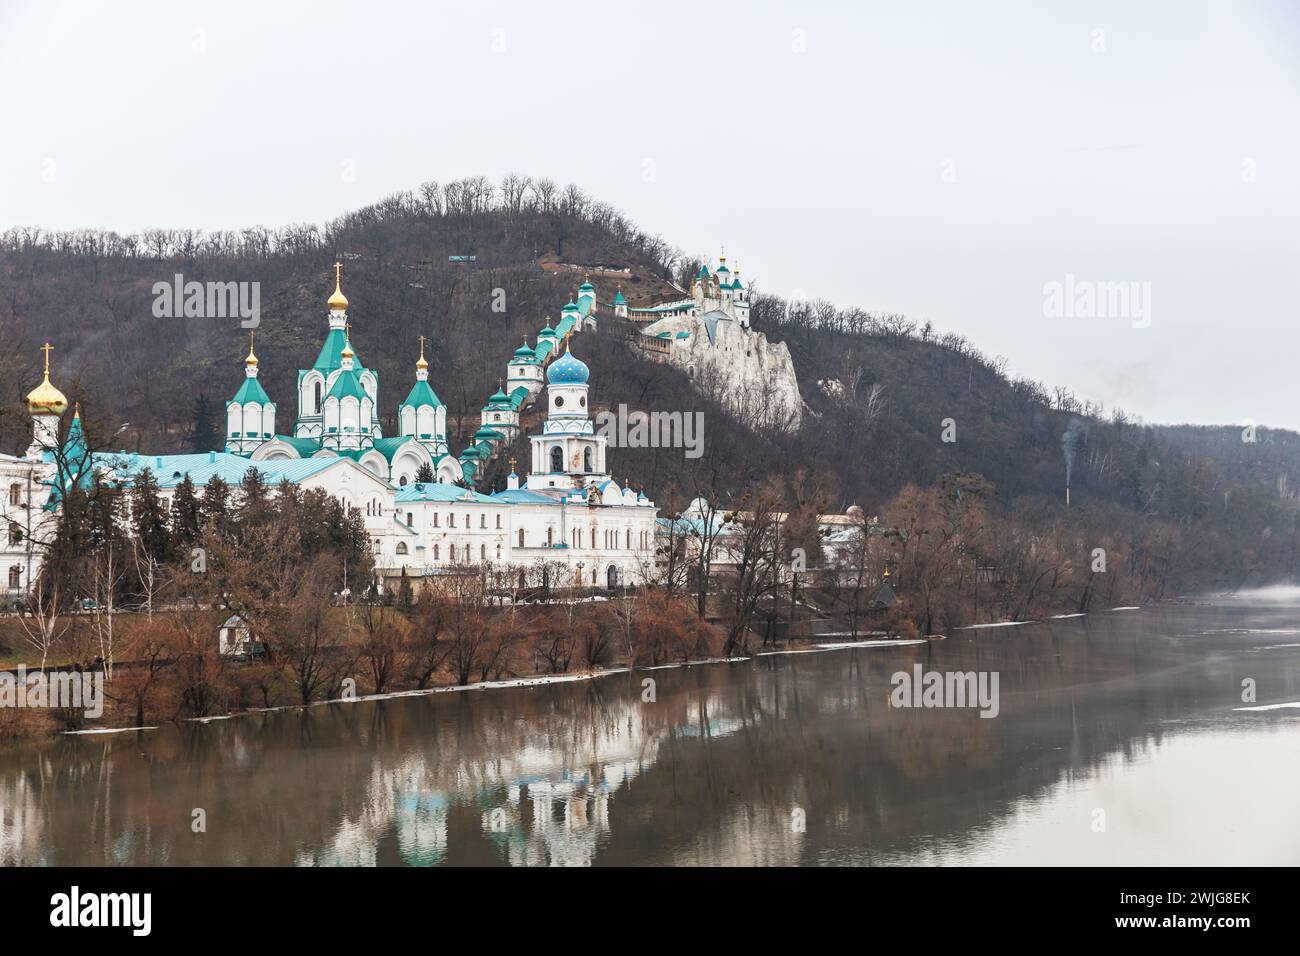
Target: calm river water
(1119, 741)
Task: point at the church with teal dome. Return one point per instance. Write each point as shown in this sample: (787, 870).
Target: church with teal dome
(568, 513)
(338, 413)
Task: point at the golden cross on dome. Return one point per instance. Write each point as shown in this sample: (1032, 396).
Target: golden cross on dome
(421, 346)
(250, 340)
(338, 272)
(512, 464)
(47, 348)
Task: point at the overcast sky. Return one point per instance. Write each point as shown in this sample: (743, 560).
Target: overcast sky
(945, 160)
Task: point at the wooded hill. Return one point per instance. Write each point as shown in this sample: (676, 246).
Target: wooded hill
(875, 426)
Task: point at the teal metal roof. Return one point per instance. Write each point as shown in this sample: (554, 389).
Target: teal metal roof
(568, 369)
(347, 385)
(250, 391)
(521, 496)
(421, 393)
(441, 491)
(170, 470)
(618, 299)
(305, 447)
(388, 447)
(331, 353)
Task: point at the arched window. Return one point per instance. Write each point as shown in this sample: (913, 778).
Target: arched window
(550, 537)
(521, 537)
(410, 520)
(401, 482)
(498, 522)
(451, 552)
(15, 576)
(498, 552)
(401, 547)
(16, 493)
(482, 520)
(557, 459)
(435, 552)
(316, 404)
(482, 552)
(628, 546)
(586, 460)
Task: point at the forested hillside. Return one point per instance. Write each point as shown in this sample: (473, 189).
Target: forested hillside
(881, 391)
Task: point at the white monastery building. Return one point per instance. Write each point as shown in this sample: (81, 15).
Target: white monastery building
(708, 334)
(567, 515)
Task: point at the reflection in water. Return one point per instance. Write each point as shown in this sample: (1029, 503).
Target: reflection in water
(792, 759)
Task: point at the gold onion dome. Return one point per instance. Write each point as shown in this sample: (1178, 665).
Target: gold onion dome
(338, 301)
(45, 399)
(252, 359)
(422, 362)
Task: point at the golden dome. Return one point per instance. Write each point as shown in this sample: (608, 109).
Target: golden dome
(45, 399)
(421, 362)
(338, 301)
(252, 359)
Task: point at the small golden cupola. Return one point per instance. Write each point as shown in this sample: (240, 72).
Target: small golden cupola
(422, 362)
(338, 302)
(45, 399)
(347, 352)
(251, 360)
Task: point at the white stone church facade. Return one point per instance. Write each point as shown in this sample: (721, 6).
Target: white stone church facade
(709, 336)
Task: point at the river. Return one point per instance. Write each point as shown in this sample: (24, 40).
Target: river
(1120, 739)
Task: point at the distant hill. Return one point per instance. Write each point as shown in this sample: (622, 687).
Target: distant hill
(880, 390)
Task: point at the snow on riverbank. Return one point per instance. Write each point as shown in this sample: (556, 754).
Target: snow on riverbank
(105, 730)
(1289, 704)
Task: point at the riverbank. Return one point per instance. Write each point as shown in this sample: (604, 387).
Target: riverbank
(175, 675)
(105, 723)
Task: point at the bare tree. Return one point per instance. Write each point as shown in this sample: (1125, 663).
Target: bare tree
(42, 625)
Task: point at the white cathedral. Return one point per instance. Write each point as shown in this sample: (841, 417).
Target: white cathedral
(568, 513)
(707, 334)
